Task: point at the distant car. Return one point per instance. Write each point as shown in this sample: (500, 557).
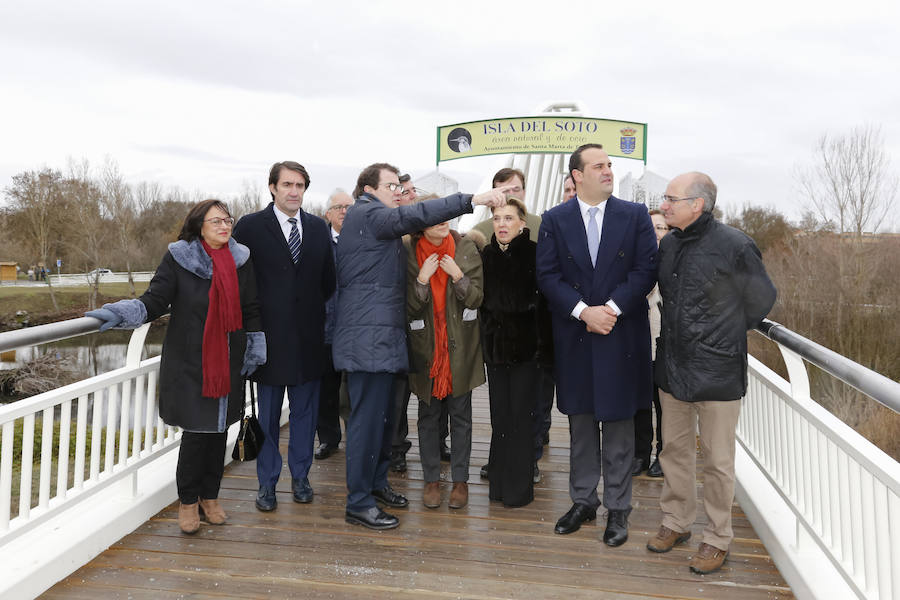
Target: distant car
(99, 272)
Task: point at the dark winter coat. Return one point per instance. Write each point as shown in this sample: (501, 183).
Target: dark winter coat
(370, 333)
(180, 287)
(714, 288)
(292, 297)
(515, 320)
(609, 376)
(463, 337)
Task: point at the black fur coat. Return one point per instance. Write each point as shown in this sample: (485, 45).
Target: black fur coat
(515, 320)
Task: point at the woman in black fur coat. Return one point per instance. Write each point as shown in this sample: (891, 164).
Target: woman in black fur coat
(516, 339)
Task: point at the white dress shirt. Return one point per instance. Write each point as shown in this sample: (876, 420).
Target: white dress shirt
(334, 235)
(598, 217)
(285, 226)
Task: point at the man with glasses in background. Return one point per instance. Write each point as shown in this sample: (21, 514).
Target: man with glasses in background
(400, 445)
(370, 333)
(294, 267)
(328, 427)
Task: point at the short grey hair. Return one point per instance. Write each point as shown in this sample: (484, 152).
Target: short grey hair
(335, 193)
(702, 186)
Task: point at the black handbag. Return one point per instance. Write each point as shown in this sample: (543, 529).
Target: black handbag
(250, 436)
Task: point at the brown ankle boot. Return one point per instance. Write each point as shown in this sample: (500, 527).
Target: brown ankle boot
(212, 512)
(459, 495)
(189, 517)
(431, 497)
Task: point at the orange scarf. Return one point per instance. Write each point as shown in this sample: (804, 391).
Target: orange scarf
(440, 367)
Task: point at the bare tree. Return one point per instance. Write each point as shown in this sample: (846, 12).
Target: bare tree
(36, 215)
(837, 282)
(248, 201)
(850, 182)
(119, 205)
(89, 230)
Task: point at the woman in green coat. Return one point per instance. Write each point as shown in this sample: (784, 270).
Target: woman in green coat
(444, 291)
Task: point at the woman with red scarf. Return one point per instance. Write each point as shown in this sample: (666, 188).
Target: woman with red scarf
(444, 291)
(206, 283)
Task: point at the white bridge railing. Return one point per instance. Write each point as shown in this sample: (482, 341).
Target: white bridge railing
(118, 472)
(823, 499)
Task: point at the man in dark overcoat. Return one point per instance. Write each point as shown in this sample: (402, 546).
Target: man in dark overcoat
(596, 263)
(295, 276)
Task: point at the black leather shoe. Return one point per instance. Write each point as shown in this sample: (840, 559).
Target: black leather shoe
(390, 497)
(265, 499)
(398, 463)
(303, 492)
(546, 440)
(638, 466)
(572, 520)
(655, 469)
(324, 451)
(445, 453)
(616, 528)
(483, 472)
(373, 518)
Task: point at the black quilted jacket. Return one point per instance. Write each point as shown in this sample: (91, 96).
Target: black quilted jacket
(714, 288)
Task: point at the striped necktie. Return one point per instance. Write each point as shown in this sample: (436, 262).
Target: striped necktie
(294, 240)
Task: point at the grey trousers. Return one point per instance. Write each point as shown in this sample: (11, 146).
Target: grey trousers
(586, 466)
(460, 408)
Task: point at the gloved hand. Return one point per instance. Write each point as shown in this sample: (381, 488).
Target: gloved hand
(124, 314)
(109, 318)
(255, 354)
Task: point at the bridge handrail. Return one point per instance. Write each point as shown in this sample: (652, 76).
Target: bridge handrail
(883, 390)
(811, 485)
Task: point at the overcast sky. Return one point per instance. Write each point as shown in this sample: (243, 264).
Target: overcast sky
(207, 95)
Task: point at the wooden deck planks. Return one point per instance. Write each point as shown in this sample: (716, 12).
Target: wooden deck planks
(481, 551)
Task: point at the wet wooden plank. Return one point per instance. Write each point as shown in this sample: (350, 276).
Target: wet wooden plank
(481, 551)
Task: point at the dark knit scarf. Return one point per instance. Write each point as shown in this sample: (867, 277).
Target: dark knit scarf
(440, 368)
(224, 315)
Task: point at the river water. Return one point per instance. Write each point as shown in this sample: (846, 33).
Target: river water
(87, 355)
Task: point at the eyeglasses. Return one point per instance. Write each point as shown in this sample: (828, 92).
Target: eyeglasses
(661, 227)
(673, 199)
(393, 186)
(215, 222)
(407, 192)
(340, 207)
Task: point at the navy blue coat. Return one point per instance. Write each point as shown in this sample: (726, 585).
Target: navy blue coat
(370, 331)
(291, 297)
(607, 375)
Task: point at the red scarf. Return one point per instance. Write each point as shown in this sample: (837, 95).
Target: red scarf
(224, 315)
(440, 367)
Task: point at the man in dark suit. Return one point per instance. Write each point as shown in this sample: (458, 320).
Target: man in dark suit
(596, 263)
(294, 266)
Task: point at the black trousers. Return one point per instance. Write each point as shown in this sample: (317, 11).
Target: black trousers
(328, 425)
(201, 463)
(643, 429)
(543, 406)
(512, 391)
(400, 443)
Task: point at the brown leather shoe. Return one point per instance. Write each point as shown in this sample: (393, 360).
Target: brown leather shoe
(212, 512)
(459, 495)
(708, 559)
(189, 518)
(666, 539)
(431, 497)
